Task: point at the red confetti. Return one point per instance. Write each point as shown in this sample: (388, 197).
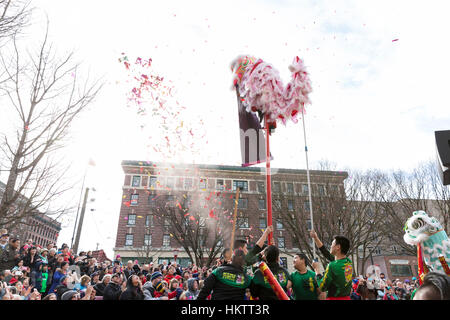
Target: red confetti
(394, 40)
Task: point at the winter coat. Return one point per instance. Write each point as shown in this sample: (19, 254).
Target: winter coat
(149, 291)
(128, 272)
(132, 292)
(32, 264)
(55, 281)
(8, 258)
(99, 289)
(60, 290)
(192, 294)
(112, 291)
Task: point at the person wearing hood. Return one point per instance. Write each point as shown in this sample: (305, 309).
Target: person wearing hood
(227, 282)
(43, 255)
(100, 287)
(133, 290)
(192, 291)
(259, 287)
(150, 285)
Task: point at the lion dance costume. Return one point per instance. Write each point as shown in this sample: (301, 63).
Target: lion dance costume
(433, 244)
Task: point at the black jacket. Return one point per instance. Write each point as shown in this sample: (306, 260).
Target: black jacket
(132, 294)
(99, 289)
(226, 283)
(60, 291)
(112, 291)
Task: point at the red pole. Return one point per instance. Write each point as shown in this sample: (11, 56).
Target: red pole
(268, 180)
(268, 275)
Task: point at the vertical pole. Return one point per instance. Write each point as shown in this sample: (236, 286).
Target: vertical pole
(309, 179)
(268, 180)
(78, 209)
(80, 224)
(234, 218)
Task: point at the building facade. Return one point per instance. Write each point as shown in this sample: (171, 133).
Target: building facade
(39, 227)
(150, 189)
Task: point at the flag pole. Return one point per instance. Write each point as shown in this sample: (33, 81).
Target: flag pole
(308, 177)
(268, 180)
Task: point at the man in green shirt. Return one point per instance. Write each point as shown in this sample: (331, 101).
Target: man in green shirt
(304, 283)
(337, 280)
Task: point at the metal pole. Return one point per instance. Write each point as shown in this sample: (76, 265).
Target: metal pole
(234, 218)
(80, 224)
(309, 180)
(78, 209)
(268, 180)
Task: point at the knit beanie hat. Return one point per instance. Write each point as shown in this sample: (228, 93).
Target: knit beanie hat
(155, 275)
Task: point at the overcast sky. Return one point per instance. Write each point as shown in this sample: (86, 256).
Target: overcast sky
(379, 71)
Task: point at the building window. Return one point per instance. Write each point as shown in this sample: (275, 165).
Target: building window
(401, 270)
(166, 222)
(323, 206)
(262, 204)
(149, 220)
(290, 188)
(166, 240)
(170, 201)
(262, 223)
(170, 182)
(152, 200)
(277, 204)
(147, 240)
(128, 239)
(134, 199)
(305, 189)
(306, 206)
(321, 189)
(280, 224)
(242, 203)
(220, 184)
(153, 181)
(187, 183)
(243, 185)
(276, 187)
(131, 219)
(243, 223)
(290, 205)
(136, 182)
(281, 242)
(261, 187)
(203, 183)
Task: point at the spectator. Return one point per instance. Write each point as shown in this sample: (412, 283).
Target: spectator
(149, 287)
(113, 289)
(133, 290)
(436, 286)
(100, 287)
(193, 289)
(9, 254)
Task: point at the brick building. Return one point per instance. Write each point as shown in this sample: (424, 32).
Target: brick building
(141, 237)
(39, 227)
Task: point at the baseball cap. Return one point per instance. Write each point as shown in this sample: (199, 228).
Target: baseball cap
(414, 279)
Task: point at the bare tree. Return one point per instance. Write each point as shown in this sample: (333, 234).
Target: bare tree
(197, 225)
(45, 96)
(14, 17)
